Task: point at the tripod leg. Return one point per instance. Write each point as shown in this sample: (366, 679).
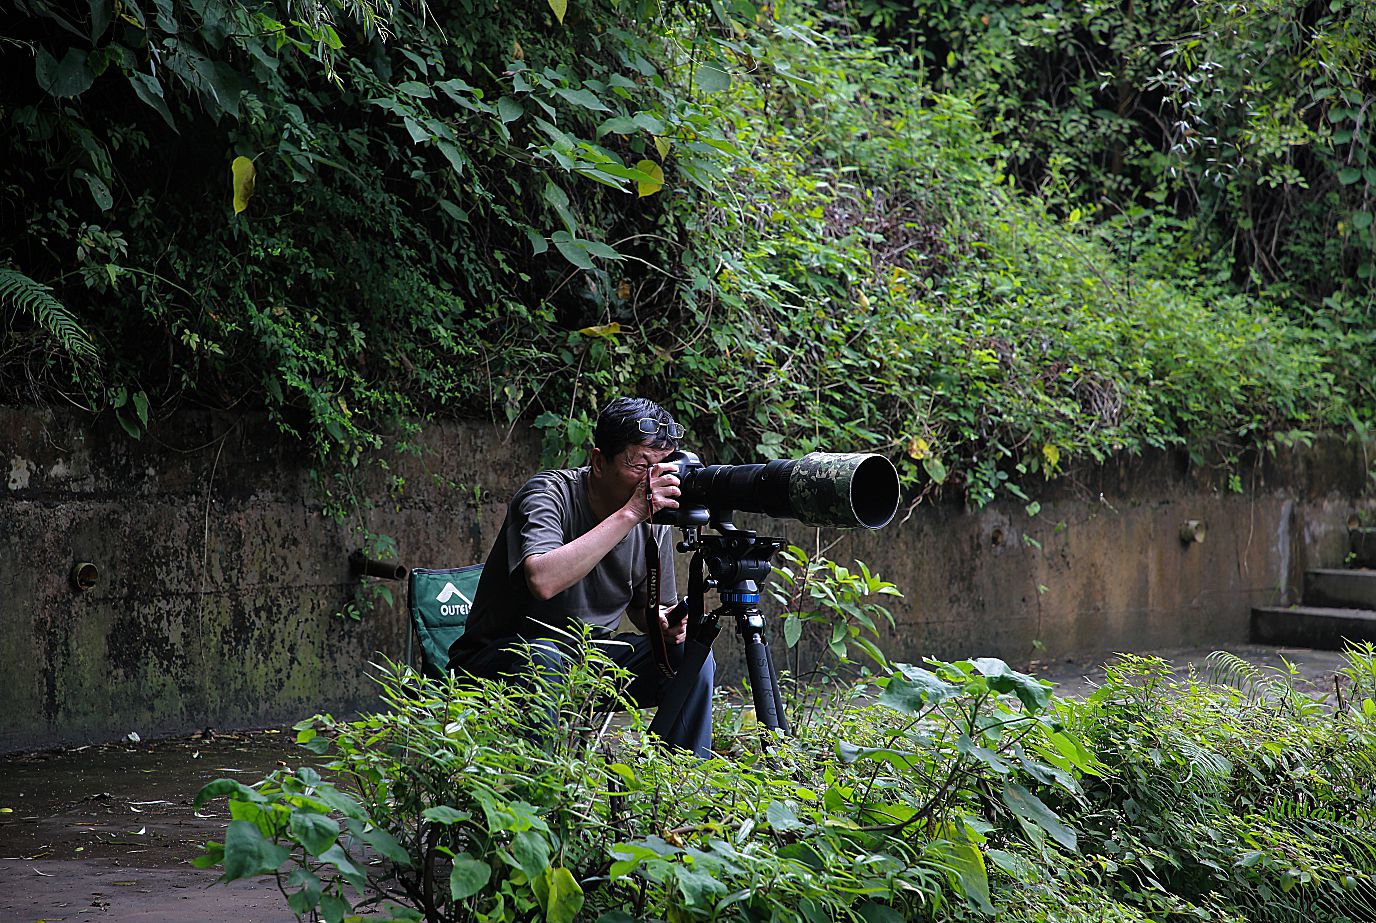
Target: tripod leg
(762, 681)
(778, 693)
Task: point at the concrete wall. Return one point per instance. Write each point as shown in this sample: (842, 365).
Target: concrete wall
(220, 578)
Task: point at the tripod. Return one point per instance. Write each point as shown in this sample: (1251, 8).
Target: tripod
(736, 562)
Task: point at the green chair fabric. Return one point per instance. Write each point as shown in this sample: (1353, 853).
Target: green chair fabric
(440, 600)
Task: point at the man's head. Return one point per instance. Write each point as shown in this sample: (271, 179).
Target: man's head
(632, 436)
(635, 421)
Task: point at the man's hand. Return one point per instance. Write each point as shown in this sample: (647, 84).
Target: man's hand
(676, 633)
(658, 491)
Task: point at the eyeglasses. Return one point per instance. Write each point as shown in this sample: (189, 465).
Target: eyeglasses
(649, 426)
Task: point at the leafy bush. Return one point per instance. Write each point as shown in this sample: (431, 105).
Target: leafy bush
(452, 804)
(356, 216)
(963, 789)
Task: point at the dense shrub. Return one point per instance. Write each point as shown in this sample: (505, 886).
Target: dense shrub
(950, 792)
(515, 210)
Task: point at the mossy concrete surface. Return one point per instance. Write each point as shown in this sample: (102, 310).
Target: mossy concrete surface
(220, 579)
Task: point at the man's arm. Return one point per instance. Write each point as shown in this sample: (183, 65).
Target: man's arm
(550, 573)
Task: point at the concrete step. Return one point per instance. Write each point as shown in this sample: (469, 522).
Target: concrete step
(1363, 545)
(1312, 626)
(1341, 589)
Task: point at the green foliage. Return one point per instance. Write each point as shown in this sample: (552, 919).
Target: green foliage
(477, 814)
(1250, 799)
(515, 211)
(961, 790)
(1236, 133)
(837, 600)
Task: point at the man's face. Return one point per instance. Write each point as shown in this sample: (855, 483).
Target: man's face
(624, 472)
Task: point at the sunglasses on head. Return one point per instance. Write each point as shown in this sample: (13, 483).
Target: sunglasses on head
(650, 426)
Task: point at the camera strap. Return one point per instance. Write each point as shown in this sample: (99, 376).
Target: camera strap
(653, 628)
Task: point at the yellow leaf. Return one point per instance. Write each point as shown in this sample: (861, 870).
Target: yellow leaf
(918, 449)
(602, 330)
(656, 178)
(560, 7)
(1052, 456)
(517, 52)
(662, 145)
(245, 174)
(863, 301)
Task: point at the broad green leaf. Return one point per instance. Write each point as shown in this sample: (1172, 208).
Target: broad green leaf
(1030, 808)
(384, 844)
(560, 8)
(662, 146)
(68, 77)
(935, 469)
(655, 178)
(874, 912)
(149, 89)
(244, 176)
(966, 864)
(248, 853)
(509, 109)
(334, 908)
(912, 689)
(316, 832)
(1032, 692)
(575, 251)
(793, 630)
(601, 250)
(416, 88)
(341, 860)
(781, 817)
(584, 98)
(558, 200)
(468, 877)
(712, 79)
(803, 854)
(1349, 175)
(698, 888)
(228, 787)
(99, 191)
(338, 800)
(303, 900)
(619, 125)
(531, 849)
(444, 814)
(538, 244)
(141, 406)
(1361, 220)
(650, 123)
(565, 896)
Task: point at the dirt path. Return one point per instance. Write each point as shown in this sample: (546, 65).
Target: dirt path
(108, 833)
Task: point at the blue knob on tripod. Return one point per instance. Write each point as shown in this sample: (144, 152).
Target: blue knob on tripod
(749, 598)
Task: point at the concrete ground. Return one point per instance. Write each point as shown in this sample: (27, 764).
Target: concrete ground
(108, 832)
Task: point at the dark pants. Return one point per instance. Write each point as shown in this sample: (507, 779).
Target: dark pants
(506, 658)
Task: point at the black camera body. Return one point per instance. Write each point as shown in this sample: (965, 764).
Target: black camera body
(819, 489)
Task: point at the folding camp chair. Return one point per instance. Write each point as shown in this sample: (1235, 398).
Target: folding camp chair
(439, 601)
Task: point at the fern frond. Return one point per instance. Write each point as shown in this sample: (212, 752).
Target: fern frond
(1224, 668)
(37, 300)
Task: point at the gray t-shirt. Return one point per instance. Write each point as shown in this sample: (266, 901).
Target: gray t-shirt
(548, 512)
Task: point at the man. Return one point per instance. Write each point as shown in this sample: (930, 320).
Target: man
(573, 548)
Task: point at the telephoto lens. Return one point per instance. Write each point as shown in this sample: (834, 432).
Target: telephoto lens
(819, 489)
